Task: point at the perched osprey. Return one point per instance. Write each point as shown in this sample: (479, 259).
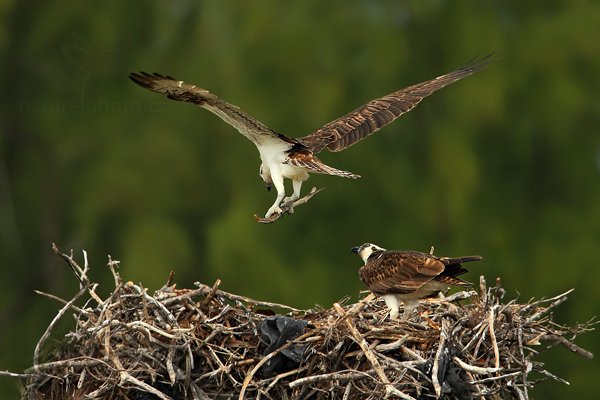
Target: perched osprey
(407, 276)
(284, 157)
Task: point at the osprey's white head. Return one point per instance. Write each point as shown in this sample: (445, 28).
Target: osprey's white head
(265, 175)
(366, 250)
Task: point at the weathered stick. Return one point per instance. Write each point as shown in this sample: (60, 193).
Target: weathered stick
(332, 376)
(437, 387)
(46, 335)
(205, 289)
(288, 208)
(493, 337)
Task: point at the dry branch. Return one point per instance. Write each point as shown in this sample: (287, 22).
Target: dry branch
(206, 343)
(288, 208)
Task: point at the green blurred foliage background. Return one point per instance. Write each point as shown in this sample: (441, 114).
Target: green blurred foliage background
(505, 163)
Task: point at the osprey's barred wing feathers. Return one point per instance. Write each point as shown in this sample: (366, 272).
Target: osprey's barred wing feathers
(403, 272)
(233, 115)
(399, 272)
(362, 122)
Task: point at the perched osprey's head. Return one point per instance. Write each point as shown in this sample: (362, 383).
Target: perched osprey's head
(366, 250)
(265, 175)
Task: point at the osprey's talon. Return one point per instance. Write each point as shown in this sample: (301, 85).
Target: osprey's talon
(287, 201)
(273, 210)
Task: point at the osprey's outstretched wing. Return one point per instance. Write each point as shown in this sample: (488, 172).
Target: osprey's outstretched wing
(362, 122)
(233, 115)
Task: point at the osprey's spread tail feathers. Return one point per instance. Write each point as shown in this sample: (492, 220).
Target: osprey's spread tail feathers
(306, 159)
(326, 169)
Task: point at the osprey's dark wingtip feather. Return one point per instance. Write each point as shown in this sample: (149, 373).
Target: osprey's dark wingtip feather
(479, 62)
(145, 79)
(136, 77)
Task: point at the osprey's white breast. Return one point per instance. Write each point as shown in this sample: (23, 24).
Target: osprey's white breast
(273, 153)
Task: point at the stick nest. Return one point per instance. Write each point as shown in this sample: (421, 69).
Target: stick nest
(205, 343)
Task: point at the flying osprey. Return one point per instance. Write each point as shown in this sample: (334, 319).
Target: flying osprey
(407, 276)
(284, 157)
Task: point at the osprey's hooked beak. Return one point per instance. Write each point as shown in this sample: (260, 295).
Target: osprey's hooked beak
(355, 249)
(269, 186)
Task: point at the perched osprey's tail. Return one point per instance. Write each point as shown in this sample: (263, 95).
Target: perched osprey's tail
(459, 260)
(454, 268)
